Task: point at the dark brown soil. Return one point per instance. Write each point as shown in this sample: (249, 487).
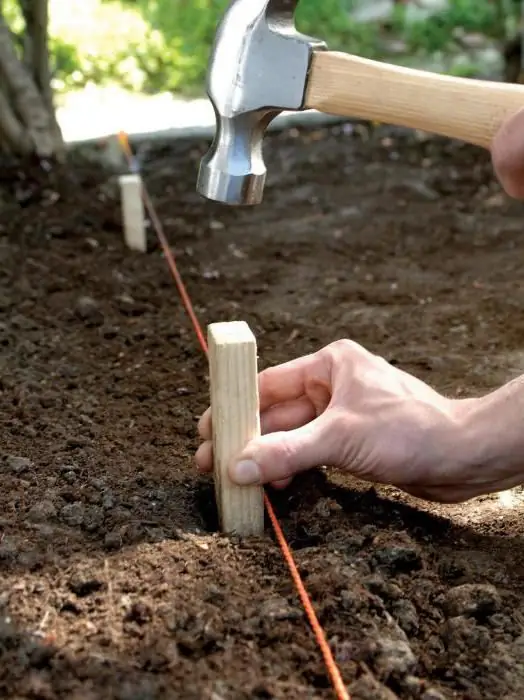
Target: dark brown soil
(114, 582)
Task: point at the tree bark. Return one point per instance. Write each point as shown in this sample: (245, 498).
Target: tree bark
(27, 117)
(13, 137)
(36, 48)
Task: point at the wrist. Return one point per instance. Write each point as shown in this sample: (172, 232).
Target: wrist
(490, 443)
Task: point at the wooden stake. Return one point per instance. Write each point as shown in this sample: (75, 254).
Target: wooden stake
(133, 212)
(235, 421)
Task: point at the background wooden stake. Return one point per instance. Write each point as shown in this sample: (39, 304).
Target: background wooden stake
(235, 419)
(133, 212)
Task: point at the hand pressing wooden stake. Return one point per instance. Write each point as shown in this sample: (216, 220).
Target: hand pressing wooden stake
(235, 420)
(133, 212)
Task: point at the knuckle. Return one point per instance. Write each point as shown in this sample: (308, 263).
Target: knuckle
(278, 457)
(342, 347)
(339, 352)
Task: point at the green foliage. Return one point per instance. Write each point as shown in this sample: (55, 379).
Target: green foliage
(174, 51)
(13, 16)
(435, 33)
(187, 29)
(65, 57)
(330, 20)
(158, 45)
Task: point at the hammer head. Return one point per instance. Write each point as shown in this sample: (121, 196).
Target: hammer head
(258, 68)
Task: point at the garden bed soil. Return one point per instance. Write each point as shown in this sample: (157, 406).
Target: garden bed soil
(114, 581)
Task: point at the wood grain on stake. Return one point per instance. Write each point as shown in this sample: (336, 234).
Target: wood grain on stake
(459, 108)
(235, 420)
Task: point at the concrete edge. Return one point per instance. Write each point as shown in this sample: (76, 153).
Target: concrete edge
(285, 120)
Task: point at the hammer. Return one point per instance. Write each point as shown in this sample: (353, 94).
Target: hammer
(260, 65)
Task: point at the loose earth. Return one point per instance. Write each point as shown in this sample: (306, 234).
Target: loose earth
(114, 582)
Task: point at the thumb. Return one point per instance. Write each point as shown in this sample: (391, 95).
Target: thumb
(277, 456)
(507, 154)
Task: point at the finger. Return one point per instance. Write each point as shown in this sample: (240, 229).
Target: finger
(283, 484)
(278, 385)
(204, 425)
(282, 417)
(204, 460)
(278, 456)
(204, 457)
(288, 381)
(282, 384)
(507, 154)
(287, 416)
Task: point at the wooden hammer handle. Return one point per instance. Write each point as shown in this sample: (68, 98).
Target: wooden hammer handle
(459, 108)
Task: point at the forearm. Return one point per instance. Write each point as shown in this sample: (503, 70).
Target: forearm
(494, 437)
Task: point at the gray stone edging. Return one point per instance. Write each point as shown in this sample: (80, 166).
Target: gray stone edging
(285, 120)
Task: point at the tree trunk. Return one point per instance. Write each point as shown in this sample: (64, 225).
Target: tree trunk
(28, 124)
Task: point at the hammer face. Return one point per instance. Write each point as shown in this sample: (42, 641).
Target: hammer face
(233, 170)
(258, 68)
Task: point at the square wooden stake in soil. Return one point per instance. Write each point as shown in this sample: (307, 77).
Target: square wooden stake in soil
(133, 212)
(235, 418)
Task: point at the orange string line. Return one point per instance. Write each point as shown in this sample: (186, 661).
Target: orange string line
(159, 229)
(329, 660)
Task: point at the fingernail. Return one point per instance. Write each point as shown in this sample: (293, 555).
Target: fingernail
(245, 473)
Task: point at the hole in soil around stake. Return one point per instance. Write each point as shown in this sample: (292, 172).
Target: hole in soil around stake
(206, 505)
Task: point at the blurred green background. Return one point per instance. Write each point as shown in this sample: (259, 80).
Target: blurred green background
(163, 45)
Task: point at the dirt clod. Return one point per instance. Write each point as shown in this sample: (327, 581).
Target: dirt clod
(398, 559)
(17, 465)
(367, 688)
(88, 310)
(41, 512)
(472, 599)
(73, 514)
